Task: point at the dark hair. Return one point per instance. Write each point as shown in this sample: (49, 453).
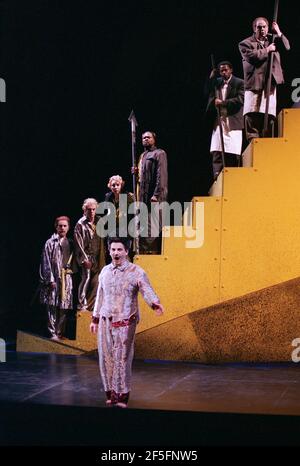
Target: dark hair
(124, 241)
(256, 19)
(152, 132)
(225, 63)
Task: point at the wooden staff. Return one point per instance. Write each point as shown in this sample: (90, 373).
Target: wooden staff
(134, 124)
(269, 74)
(217, 96)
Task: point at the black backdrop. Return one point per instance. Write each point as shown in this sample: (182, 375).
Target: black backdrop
(73, 71)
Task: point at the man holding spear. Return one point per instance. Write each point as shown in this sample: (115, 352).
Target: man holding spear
(256, 52)
(225, 104)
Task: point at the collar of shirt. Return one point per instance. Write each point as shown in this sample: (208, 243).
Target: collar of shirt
(121, 267)
(90, 224)
(150, 150)
(263, 42)
(226, 82)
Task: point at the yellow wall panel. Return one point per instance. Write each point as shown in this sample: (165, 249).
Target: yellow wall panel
(260, 219)
(261, 229)
(289, 123)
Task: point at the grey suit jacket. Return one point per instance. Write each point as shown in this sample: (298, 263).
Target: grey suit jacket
(255, 62)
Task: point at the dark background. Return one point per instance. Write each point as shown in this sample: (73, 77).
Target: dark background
(74, 71)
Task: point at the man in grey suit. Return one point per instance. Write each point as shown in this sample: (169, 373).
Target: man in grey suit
(255, 51)
(227, 94)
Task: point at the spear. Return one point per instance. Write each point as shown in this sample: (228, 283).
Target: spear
(134, 124)
(270, 71)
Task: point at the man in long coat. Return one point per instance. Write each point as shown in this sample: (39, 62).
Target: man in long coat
(255, 51)
(56, 277)
(152, 190)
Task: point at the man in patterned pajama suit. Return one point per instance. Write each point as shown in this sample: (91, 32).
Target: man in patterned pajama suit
(56, 278)
(89, 251)
(115, 317)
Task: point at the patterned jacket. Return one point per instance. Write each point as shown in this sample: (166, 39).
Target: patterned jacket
(117, 294)
(52, 267)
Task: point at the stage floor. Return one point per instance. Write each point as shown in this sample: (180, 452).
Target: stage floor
(241, 399)
(75, 381)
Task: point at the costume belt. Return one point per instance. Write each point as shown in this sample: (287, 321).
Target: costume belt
(65, 271)
(122, 323)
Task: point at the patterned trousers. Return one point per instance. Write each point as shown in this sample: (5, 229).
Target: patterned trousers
(116, 349)
(57, 319)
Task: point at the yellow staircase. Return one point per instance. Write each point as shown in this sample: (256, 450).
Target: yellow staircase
(251, 233)
(251, 241)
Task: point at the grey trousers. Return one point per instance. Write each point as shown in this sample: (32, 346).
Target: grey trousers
(151, 230)
(87, 289)
(57, 319)
(231, 160)
(254, 125)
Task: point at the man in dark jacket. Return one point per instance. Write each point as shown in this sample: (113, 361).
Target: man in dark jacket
(227, 94)
(255, 51)
(152, 189)
(117, 202)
